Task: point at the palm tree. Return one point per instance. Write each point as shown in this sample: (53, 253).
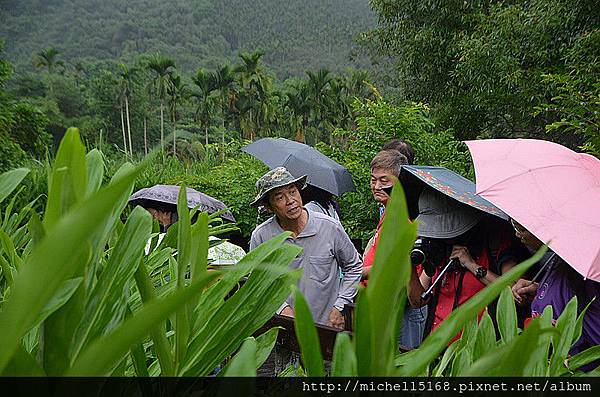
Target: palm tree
(178, 93)
(254, 103)
(126, 77)
(206, 83)
(162, 67)
(319, 90)
(225, 85)
(47, 59)
(298, 109)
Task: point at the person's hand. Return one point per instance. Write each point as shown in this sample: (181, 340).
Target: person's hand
(462, 254)
(288, 311)
(336, 319)
(524, 290)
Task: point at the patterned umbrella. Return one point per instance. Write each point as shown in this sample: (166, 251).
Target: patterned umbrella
(168, 194)
(415, 178)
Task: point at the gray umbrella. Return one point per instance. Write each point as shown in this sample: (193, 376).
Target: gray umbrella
(301, 159)
(168, 194)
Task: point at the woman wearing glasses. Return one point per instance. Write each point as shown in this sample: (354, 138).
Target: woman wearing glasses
(554, 285)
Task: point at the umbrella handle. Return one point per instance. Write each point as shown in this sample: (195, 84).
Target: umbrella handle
(543, 267)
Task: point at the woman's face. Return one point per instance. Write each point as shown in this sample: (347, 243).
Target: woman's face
(528, 239)
(163, 217)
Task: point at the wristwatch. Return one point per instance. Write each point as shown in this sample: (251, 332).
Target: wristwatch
(480, 272)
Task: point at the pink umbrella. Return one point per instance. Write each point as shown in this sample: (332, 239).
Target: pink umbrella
(551, 190)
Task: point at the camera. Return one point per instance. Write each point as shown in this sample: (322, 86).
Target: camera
(429, 253)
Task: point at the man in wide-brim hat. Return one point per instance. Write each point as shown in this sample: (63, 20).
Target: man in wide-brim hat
(328, 251)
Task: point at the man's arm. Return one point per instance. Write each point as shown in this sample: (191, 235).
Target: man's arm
(349, 261)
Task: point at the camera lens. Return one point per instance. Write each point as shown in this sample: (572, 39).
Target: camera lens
(417, 256)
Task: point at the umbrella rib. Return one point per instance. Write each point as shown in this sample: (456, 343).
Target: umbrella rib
(524, 172)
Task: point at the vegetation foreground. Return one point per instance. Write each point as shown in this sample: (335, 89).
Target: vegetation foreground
(81, 297)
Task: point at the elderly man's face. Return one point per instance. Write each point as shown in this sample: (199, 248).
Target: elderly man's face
(381, 178)
(286, 202)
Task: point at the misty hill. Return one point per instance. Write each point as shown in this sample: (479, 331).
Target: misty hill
(297, 34)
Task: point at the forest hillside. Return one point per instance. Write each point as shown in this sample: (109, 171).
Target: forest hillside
(297, 35)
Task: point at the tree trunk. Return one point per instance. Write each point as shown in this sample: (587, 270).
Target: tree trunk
(223, 139)
(162, 126)
(123, 129)
(145, 138)
(206, 136)
(128, 126)
(174, 135)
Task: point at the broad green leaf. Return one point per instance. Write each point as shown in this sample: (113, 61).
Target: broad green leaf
(264, 345)
(565, 324)
(138, 358)
(539, 359)
(67, 182)
(306, 333)
(242, 314)
(95, 171)
(461, 362)
(122, 264)
(211, 300)
(579, 325)
(185, 250)
(36, 228)
(485, 339)
(106, 352)
(435, 343)
(585, 357)
(344, 360)
(199, 235)
(516, 358)
(387, 288)
(158, 332)
(64, 293)
(362, 333)
(10, 180)
(244, 362)
(447, 358)
(58, 257)
(506, 315)
(23, 364)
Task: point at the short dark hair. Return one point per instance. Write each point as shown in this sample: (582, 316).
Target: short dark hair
(390, 159)
(403, 147)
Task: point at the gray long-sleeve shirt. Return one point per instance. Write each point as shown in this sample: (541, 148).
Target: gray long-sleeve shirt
(327, 250)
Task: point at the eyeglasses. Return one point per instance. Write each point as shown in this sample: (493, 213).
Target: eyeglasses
(518, 228)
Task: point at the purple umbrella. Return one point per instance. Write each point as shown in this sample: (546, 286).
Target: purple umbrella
(168, 194)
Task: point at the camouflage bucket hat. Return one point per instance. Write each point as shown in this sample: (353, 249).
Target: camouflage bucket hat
(273, 179)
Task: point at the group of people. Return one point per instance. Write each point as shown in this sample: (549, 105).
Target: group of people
(465, 249)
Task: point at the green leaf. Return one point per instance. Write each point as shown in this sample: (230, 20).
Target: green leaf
(387, 288)
(221, 332)
(64, 293)
(244, 362)
(107, 351)
(110, 288)
(60, 256)
(585, 357)
(67, 182)
(10, 180)
(307, 336)
(264, 345)
(433, 345)
(138, 358)
(485, 340)
(344, 360)
(95, 171)
(565, 324)
(517, 358)
(446, 359)
(184, 257)
(506, 314)
(23, 364)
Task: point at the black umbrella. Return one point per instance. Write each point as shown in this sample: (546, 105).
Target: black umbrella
(168, 194)
(415, 178)
(301, 159)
